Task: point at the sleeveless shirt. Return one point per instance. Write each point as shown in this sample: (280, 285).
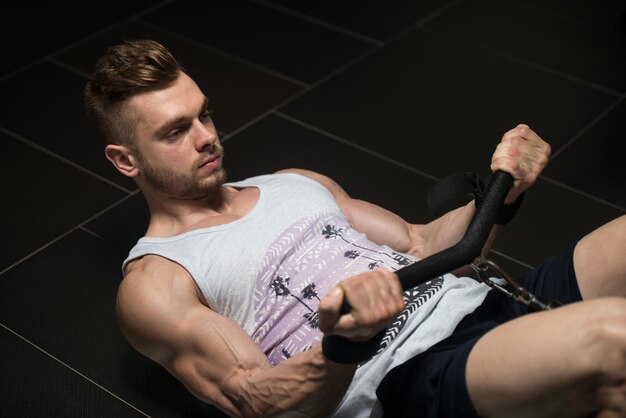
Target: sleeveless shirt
(268, 270)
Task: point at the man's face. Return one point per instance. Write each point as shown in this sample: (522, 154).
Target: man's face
(177, 148)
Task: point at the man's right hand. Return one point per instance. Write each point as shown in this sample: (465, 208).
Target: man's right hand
(375, 298)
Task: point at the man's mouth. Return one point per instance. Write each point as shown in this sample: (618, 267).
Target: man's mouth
(210, 161)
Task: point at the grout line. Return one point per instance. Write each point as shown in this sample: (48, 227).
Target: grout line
(68, 232)
(65, 160)
(528, 63)
(84, 40)
(356, 146)
(222, 53)
(21, 69)
(92, 233)
(339, 70)
(246, 125)
(67, 67)
(587, 127)
(113, 26)
(108, 208)
(71, 368)
(20, 261)
(582, 193)
(515, 260)
(452, 4)
(566, 18)
(319, 22)
(88, 38)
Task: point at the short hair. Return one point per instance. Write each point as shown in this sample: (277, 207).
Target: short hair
(125, 69)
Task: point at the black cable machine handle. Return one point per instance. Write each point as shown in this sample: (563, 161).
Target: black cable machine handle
(342, 350)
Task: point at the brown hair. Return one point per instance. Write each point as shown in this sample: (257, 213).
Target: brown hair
(125, 69)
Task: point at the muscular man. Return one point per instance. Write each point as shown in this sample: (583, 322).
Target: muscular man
(234, 284)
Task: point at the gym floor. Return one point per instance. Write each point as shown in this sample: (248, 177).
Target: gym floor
(386, 97)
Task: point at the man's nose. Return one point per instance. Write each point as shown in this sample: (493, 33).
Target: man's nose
(205, 136)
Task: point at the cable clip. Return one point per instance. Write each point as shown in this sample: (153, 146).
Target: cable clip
(511, 288)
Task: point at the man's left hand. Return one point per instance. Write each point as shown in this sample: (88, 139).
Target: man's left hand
(523, 154)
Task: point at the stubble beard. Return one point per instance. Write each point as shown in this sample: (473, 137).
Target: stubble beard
(179, 186)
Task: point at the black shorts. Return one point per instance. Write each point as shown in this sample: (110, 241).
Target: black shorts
(432, 384)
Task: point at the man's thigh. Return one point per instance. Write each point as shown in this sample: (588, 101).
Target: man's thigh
(600, 261)
(547, 364)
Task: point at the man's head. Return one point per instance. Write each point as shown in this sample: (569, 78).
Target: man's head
(154, 121)
(125, 69)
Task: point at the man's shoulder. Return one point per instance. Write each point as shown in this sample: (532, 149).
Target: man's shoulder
(151, 279)
(156, 293)
(321, 179)
(302, 172)
(149, 265)
(154, 301)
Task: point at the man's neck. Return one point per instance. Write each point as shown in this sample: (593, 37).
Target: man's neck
(171, 216)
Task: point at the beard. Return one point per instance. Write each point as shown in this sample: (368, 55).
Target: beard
(181, 186)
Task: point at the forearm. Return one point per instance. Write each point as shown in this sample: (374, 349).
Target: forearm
(446, 231)
(306, 385)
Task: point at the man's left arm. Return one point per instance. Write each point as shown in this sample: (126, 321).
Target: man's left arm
(521, 153)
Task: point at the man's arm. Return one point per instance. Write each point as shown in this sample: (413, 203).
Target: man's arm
(521, 153)
(385, 227)
(162, 314)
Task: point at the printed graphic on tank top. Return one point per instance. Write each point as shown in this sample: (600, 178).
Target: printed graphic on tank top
(301, 265)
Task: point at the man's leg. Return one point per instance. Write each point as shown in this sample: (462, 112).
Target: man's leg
(600, 261)
(566, 362)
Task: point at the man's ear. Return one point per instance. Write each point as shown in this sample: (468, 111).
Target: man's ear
(122, 158)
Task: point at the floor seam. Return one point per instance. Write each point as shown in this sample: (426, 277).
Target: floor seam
(67, 366)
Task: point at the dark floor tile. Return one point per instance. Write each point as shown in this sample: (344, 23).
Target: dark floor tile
(529, 33)
(238, 93)
(35, 385)
(63, 300)
(549, 219)
(124, 224)
(45, 105)
(442, 106)
(275, 143)
(594, 163)
(76, 281)
(283, 43)
(378, 19)
(43, 198)
(32, 30)
(609, 15)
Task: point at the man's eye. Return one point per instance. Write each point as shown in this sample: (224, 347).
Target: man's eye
(205, 116)
(175, 134)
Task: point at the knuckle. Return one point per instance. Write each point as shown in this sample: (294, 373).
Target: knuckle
(355, 284)
(547, 149)
(524, 130)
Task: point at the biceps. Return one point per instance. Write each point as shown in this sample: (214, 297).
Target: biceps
(380, 225)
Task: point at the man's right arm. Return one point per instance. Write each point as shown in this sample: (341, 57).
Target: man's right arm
(161, 313)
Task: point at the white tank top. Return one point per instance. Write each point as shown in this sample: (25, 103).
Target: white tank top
(268, 270)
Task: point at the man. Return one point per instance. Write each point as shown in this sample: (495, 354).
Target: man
(234, 283)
